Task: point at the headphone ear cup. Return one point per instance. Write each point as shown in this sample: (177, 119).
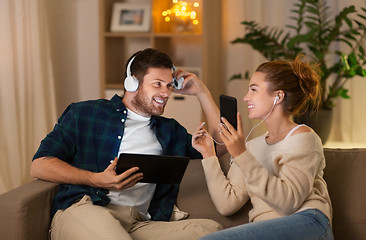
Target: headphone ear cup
(131, 83)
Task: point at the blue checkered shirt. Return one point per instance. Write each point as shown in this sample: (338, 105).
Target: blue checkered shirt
(88, 135)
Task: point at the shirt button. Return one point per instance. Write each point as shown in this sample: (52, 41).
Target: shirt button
(124, 111)
(123, 120)
(119, 137)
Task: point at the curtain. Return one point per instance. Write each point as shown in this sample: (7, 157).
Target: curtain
(27, 98)
(348, 122)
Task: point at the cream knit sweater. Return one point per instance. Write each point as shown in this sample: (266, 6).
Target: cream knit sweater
(280, 179)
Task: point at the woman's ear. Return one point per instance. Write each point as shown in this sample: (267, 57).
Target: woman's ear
(280, 95)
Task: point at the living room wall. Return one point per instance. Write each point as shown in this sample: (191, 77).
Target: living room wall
(74, 42)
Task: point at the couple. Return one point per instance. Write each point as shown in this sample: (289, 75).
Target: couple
(282, 177)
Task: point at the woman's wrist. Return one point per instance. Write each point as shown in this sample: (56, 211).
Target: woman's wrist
(208, 155)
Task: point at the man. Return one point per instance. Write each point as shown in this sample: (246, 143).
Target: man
(93, 201)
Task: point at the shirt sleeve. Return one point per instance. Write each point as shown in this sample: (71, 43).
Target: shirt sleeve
(60, 143)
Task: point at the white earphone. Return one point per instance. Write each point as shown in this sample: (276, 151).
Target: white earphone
(131, 82)
(275, 100)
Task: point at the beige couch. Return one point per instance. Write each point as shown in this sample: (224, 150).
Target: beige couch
(25, 211)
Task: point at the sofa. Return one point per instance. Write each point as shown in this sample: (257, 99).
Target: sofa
(25, 211)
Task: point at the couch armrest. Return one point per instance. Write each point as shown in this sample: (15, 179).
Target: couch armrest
(25, 211)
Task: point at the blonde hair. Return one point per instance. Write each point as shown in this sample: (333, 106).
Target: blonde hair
(299, 81)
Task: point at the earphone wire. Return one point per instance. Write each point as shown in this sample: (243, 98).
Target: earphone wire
(246, 139)
(274, 103)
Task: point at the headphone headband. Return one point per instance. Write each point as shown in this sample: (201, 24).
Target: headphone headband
(131, 82)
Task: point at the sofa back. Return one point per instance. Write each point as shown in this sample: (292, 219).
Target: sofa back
(345, 175)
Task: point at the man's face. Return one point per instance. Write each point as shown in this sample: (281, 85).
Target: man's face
(154, 92)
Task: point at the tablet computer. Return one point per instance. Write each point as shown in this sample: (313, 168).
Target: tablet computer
(156, 168)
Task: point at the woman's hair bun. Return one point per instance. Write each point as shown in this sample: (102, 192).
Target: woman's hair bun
(308, 76)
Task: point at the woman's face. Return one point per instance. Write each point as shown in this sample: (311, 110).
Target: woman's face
(259, 100)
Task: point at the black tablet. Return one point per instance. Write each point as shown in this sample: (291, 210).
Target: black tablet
(156, 168)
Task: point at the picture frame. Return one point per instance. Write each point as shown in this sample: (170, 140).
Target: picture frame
(131, 17)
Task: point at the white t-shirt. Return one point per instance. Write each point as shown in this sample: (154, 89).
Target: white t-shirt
(138, 137)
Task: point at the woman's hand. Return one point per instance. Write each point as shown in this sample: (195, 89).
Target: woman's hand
(192, 85)
(233, 139)
(202, 142)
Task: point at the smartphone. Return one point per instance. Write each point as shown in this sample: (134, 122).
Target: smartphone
(228, 109)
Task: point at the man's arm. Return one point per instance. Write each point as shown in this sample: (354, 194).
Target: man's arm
(55, 170)
(192, 85)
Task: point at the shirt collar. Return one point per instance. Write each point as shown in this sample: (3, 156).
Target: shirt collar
(119, 106)
(117, 103)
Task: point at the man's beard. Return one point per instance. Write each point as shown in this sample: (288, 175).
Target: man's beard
(146, 105)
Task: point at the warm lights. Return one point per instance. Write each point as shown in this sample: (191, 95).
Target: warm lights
(183, 13)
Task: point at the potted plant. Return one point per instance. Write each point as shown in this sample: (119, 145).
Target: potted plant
(317, 36)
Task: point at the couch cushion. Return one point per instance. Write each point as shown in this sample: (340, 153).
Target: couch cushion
(345, 175)
(195, 199)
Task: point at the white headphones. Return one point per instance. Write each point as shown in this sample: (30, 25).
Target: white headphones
(131, 82)
(275, 100)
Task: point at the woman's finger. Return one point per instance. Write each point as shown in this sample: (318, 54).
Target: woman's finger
(230, 127)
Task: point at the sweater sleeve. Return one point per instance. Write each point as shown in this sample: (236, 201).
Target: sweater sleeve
(228, 193)
(287, 190)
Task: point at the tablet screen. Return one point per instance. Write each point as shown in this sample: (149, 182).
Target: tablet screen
(156, 168)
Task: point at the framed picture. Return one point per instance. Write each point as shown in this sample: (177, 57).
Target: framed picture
(131, 17)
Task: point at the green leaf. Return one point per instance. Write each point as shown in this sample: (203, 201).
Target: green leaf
(361, 72)
(361, 16)
(246, 76)
(346, 41)
(348, 21)
(343, 93)
(344, 59)
(352, 60)
(362, 50)
(236, 76)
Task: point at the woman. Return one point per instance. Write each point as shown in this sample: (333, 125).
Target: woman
(281, 172)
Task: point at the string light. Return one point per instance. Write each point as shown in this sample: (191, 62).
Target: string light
(184, 11)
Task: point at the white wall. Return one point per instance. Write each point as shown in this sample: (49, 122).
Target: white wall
(75, 54)
(75, 50)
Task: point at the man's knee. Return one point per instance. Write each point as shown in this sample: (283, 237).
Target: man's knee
(207, 225)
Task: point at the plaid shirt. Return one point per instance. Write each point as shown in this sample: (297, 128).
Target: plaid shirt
(88, 135)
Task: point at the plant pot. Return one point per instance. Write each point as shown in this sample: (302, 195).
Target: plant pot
(320, 121)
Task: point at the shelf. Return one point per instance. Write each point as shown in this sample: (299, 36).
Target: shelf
(156, 35)
(127, 34)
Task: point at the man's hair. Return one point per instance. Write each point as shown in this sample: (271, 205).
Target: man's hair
(148, 58)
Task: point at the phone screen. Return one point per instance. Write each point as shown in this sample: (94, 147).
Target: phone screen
(228, 109)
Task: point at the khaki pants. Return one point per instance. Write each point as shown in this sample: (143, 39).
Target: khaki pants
(83, 220)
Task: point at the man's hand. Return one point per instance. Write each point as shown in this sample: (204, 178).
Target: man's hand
(55, 170)
(109, 179)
